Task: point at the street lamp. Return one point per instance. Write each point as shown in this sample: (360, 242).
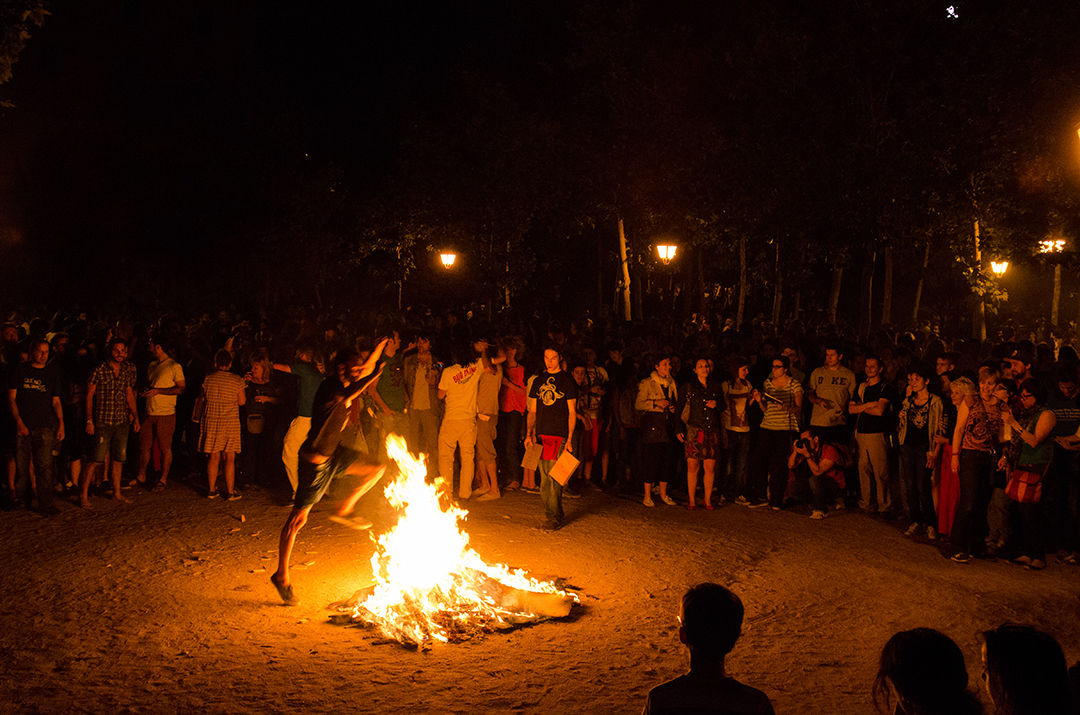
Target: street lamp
(448, 258)
(666, 251)
(999, 267)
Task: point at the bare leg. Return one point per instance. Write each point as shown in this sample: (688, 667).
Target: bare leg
(230, 473)
(146, 447)
(605, 457)
(370, 475)
(75, 470)
(692, 468)
(710, 476)
(528, 478)
(84, 484)
(648, 494)
(297, 518)
(117, 475)
(212, 461)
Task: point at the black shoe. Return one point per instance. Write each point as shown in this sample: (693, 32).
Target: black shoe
(552, 525)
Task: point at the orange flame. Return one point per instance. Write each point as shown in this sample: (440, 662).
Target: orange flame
(427, 576)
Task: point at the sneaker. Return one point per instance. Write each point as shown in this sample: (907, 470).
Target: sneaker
(775, 508)
(1072, 558)
(742, 501)
(234, 496)
(912, 529)
(757, 504)
(962, 558)
(840, 505)
(1036, 565)
(212, 495)
(552, 525)
(1022, 560)
(571, 493)
(931, 533)
(667, 500)
(817, 514)
(648, 501)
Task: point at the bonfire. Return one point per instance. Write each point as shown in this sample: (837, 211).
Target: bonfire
(429, 584)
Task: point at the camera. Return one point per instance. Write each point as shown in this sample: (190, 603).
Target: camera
(802, 443)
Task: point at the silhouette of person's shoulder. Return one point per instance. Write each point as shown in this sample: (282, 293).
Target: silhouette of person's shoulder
(696, 695)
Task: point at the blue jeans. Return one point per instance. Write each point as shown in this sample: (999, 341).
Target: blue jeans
(38, 445)
(915, 483)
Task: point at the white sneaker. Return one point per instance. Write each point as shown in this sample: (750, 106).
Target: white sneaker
(912, 529)
(817, 514)
(931, 533)
(648, 501)
(667, 500)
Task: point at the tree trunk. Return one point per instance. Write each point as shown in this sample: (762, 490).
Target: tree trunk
(1057, 295)
(866, 291)
(700, 278)
(778, 295)
(978, 328)
(625, 273)
(834, 294)
(887, 289)
(919, 284)
(742, 283)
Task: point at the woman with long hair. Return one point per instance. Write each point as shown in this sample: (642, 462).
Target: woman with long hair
(702, 404)
(656, 398)
(923, 669)
(1027, 457)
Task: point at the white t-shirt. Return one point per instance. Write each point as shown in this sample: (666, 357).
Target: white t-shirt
(836, 386)
(460, 383)
(163, 375)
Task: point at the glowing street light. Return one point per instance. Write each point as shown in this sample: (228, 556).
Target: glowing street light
(448, 258)
(666, 251)
(1052, 246)
(999, 267)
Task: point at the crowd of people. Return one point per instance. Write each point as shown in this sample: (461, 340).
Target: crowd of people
(921, 671)
(971, 446)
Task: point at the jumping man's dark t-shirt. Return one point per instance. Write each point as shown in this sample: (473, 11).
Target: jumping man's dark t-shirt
(551, 391)
(34, 389)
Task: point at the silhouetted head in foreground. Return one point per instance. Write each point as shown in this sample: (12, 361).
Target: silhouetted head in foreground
(924, 670)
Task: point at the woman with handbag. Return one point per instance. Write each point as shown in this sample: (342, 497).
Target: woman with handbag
(1027, 458)
(656, 400)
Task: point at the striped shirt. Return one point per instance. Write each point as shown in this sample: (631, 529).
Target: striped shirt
(781, 413)
(110, 395)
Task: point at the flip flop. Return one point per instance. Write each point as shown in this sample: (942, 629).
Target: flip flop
(286, 592)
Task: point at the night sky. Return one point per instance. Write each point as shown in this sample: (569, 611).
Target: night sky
(166, 147)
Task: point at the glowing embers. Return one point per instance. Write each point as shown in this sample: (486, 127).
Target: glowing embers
(429, 584)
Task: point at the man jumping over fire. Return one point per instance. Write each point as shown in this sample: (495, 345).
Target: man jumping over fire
(324, 456)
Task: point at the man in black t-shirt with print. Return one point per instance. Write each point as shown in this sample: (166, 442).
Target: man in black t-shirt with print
(34, 398)
(552, 416)
(872, 424)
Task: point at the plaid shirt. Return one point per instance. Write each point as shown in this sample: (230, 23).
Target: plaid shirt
(110, 396)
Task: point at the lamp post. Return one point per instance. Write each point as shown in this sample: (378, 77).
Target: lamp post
(999, 267)
(666, 251)
(447, 258)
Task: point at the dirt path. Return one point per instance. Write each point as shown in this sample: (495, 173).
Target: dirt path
(165, 605)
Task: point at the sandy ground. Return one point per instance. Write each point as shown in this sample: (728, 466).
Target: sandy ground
(165, 605)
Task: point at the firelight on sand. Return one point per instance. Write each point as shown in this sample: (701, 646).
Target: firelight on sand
(430, 585)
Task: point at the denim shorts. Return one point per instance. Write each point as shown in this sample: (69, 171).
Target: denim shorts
(112, 439)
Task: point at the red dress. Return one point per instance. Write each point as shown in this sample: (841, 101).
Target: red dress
(948, 492)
